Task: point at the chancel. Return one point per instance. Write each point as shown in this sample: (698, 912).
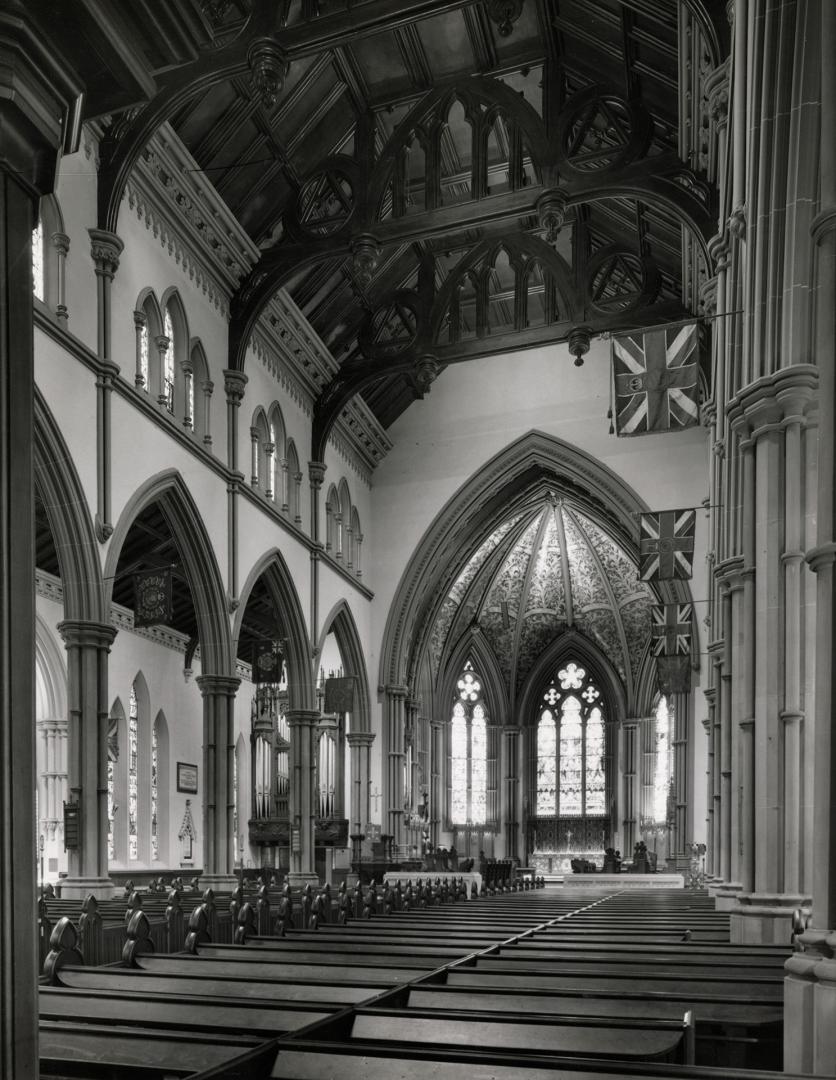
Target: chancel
(417, 538)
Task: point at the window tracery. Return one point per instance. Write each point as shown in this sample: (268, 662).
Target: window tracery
(469, 753)
(571, 747)
(133, 741)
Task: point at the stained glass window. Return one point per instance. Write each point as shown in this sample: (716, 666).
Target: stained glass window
(143, 354)
(168, 364)
(38, 261)
(112, 758)
(133, 740)
(469, 753)
(662, 764)
(155, 845)
(571, 747)
(458, 772)
(546, 764)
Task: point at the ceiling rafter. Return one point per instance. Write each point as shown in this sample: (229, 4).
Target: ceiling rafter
(480, 33)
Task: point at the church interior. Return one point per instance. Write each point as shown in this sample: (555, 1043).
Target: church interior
(417, 538)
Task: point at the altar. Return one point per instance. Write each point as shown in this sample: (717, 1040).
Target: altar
(551, 863)
(414, 876)
(618, 882)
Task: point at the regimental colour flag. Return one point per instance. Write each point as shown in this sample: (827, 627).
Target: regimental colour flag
(655, 378)
(670, 631)
(673, 674)
(152, 597)
(267, 661)
(666, 545)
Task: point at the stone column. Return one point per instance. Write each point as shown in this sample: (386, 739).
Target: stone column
(681, 834)
(106, 247)
(254, 477)
(218, 788)
(285, 485)
(207, 386)
(360, 745)
(316, 475)
(436, 779)
(395, 702)
(140, 326)
(88, 645)
(61, 243)
(631, 793)
(187, 368)
(708, 728)
(269, 450)
(235, 383)
(647, 743)
(302, 724)
(358, 547)
(162, 342)
(510, 809)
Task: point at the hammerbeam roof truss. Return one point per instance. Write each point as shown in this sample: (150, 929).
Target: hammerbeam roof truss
(433, 180)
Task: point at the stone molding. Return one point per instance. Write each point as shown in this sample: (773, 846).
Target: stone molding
(773, 402)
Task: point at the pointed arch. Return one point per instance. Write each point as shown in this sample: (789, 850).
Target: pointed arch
(474, 646)
(51, 671)
(117, 781)
(341, 620)
(516, 479)
(199, 563)
(572, 644)
(279, 582)
(294, 483)
(58, 486)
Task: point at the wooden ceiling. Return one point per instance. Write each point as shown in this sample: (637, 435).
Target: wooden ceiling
(433, 180)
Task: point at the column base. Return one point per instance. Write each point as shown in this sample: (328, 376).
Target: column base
(298, 880)
(77, 888)
(765, 918)
(218, 883)
(725, 894)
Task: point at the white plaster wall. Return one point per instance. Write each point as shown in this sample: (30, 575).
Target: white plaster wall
(181, 701)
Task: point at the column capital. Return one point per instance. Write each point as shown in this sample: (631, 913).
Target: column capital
(254, 433)
(61, 242)
(316, 473)
(162, 342)
(140, 319)
(105, 249)
(360, 738)
(511, 729)
(235, 383)
(302, 717)
(818, 558)
(774, 401)
(80, 633)
(269, 448)
(224, 685)
(394, 691)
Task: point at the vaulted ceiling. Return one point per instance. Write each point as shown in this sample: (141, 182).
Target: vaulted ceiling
(434, 180)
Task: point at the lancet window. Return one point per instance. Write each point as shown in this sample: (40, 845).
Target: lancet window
(469, 752)
(38, 275)
(571, 747)
(112, 759)
(663, 760)
(133, 793)
(155, 773)
(168, 363)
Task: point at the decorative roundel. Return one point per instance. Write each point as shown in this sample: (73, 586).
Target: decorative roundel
(325, 202)
(620, 279)
(599, 131)
(392, 328)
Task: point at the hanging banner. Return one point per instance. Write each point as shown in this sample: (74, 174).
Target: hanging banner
(267, 661)
(673, 674)
(339, 694)
(655, 380)
(152, 597)
(670, 631)
(666, 545)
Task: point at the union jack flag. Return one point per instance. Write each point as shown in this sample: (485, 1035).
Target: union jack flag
(666, 545)
(655, 376)
(670, 630)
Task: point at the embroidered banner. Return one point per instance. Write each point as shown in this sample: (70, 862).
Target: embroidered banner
(670, 632)
(267, 661)
(152, 597)
(339, 694)
(655, 379)
(673, 674)
(666, 545)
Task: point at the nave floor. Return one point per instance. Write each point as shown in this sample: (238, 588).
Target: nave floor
(527, 985)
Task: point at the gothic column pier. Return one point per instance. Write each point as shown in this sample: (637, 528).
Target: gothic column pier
(436, 779)
(395, 719)
(708, 724)
(631, 791)
(302, 724)
(235, 383)
(218, 789)
(774, 408)
(510, 807)
(360, 745)
(88, 645)
(106, 247)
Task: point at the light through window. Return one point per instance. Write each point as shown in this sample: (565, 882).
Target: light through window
(469, 753)
(168, 372)
(662, 767)
(133, 740)
(155, 762)
(38, 261)
(571, 747)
